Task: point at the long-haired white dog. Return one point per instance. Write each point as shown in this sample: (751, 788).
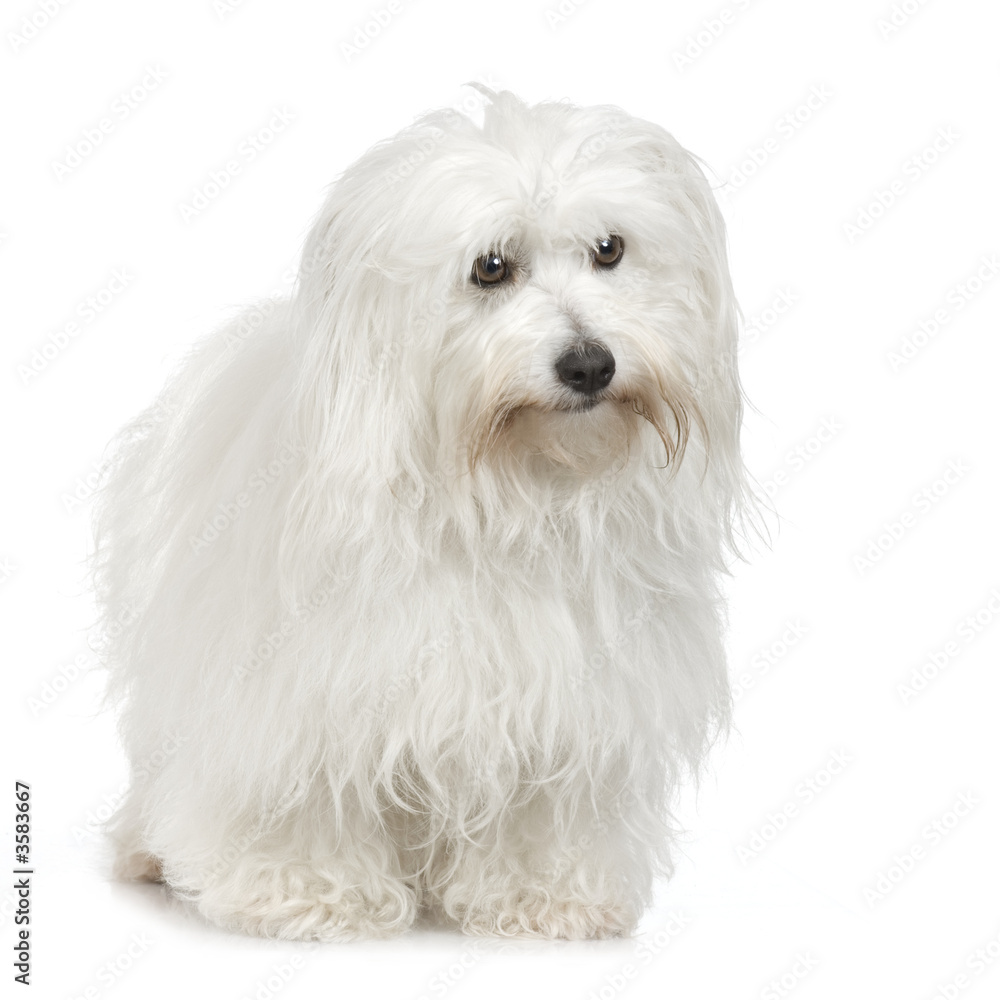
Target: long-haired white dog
(412, 599)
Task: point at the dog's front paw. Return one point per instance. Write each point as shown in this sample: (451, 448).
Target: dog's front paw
(538, 914)
(308, 904)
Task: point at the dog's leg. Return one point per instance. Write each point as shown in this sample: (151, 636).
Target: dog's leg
(590, 879)
(303, 879)
(133, 862)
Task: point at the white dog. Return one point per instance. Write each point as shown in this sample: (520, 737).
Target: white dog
(411, 579)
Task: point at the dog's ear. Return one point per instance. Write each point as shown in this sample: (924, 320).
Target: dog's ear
(680, 181)
(685, 186)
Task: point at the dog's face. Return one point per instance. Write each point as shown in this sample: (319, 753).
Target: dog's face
(551, 288)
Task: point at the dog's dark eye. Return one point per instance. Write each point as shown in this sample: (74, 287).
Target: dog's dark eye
(608, 251)
(490, 269)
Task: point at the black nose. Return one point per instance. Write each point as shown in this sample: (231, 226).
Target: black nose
(587, 368)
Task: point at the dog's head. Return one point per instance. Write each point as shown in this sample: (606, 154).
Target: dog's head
(545, 294)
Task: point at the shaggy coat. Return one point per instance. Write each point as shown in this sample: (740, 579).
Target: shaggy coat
(402, 625)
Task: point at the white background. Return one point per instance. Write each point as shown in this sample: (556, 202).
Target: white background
(804, 913)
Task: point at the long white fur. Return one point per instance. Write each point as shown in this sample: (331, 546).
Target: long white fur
(390, 627)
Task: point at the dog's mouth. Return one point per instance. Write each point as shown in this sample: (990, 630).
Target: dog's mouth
(584, 405)
(670, 416)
